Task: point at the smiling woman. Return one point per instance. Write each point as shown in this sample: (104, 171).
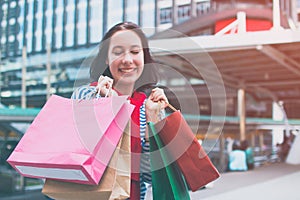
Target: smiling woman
(124, 66)
(119, 35)
(125, 60)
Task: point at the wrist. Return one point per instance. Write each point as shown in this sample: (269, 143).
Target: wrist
(153, 117)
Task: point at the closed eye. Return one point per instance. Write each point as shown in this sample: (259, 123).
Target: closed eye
(118, 53)
(135, 52)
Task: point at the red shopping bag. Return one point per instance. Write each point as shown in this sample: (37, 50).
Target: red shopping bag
(72, 140)
(183, 147)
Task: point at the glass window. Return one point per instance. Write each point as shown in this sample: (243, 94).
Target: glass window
(11, 38)
(81, 25)
(3, 40)
(21, 24)
(59, 24)
(29, 32)
(69, 28)
(165, 15)
(3, 23)
(203, 7)
(3, 10)
(12, 21)
(48, 16)
(184, 13)
(132, 11)
(115, 13)
(4, 6)
(39, 23)
(148, 16)
(96, 21)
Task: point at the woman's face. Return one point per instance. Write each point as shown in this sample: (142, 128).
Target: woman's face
(125, 57)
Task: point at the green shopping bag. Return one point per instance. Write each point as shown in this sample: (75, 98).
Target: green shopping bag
(167, 181)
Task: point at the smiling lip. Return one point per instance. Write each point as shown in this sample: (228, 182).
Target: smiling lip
(127, 70)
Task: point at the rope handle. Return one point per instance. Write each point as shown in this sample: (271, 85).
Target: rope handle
(172, 107)
(168, 105)
(97, 94)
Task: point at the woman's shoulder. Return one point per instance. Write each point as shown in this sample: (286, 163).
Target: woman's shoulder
(84, 92)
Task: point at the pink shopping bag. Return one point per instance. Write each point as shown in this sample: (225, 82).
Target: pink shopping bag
(72, 140)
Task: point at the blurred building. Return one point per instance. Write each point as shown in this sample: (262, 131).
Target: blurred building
(70, 30)
(53, 40)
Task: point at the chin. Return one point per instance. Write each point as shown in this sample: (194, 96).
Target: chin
(128, 80)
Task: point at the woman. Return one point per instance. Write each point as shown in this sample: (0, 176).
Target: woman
(124, 66)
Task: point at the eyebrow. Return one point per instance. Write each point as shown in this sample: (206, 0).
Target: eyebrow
(122, 47)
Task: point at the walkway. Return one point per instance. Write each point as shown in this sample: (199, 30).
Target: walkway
(278, 181)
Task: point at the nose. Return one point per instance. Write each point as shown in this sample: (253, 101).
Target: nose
(127, 58)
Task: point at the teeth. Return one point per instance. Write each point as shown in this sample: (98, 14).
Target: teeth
(126, 70)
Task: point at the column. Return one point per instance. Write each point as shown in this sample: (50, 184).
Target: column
(242, 113)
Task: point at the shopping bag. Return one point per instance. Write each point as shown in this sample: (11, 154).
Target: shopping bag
(114, 184)
(121, 187)
(72, 140)
(181, 143)
(167, 180)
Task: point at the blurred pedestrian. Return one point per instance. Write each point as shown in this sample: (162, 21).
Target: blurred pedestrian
(237, 159)
(249, 154)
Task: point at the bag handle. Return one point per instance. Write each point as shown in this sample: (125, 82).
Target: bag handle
(97, 93)
(172, 107)
(168, 105)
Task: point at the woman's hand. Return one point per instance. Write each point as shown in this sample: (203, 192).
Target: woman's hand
(104, 87)
(155, 103)
(158, 96)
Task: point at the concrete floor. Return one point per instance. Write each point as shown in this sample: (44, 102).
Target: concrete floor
(276, 181)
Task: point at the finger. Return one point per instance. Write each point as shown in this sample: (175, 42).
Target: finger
(155, 92)
(100, 78)
(158, 95)
(107, 85)
(109, 92)
(105, 81)
(104, 86)
(108, 79)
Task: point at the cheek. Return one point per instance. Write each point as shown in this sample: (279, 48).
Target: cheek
(139, 64)
(113, 64)
(112, 60)
(140, 61)
(113, 67)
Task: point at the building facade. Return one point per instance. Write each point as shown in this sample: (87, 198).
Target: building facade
(69, 30)
(66, 26)
(45, 45)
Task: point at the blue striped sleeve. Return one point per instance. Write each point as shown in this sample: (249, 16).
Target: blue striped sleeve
(145, 158)
(84, 92)
(143, 123)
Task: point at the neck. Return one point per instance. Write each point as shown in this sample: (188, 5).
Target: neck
(124, 89)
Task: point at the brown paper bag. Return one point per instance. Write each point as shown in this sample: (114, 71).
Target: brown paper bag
(121, 188)
(115, 183)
